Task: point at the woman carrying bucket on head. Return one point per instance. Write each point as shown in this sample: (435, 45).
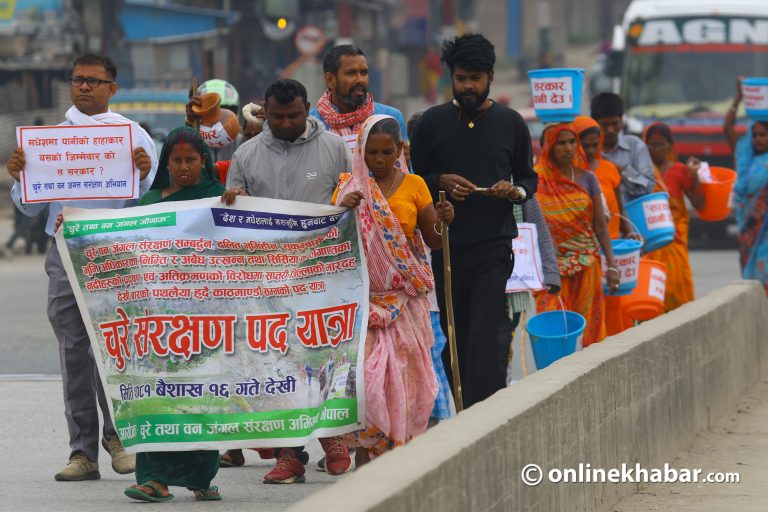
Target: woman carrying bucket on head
(569, 196)
(751, 192)
(677, 180)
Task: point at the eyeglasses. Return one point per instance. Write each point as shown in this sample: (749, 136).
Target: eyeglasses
(77, 81)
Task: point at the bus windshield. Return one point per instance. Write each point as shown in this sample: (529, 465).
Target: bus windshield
(661, 82)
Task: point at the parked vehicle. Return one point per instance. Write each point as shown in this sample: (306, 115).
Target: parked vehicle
(677, 61)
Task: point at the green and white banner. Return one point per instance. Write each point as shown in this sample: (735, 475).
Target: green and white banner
(221, 327)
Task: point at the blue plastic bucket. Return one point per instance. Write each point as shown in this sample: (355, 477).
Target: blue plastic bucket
(554, 334)
(556, 93)
(755, 92)
(653, 218)
(626, 255)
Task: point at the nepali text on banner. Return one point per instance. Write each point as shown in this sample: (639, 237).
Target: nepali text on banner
(219, 327)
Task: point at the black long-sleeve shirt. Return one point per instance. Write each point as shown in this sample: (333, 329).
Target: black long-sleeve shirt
(497, 148)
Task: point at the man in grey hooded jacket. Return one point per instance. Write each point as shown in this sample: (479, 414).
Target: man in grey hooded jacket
(293, 158)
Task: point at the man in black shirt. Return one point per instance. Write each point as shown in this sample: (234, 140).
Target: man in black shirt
(479, 152)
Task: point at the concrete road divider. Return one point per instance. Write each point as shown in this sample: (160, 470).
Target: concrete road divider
(636, 399)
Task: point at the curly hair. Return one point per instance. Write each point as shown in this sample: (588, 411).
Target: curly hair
(472, 52)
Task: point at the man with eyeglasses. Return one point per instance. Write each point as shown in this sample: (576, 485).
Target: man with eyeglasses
(92, 86)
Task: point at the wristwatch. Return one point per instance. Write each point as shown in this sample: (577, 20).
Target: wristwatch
(522, 192)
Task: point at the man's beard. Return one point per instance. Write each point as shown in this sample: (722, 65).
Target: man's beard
(471, 101)
(351, 100)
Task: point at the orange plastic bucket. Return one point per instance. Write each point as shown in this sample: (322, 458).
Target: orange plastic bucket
(717, 195)
(647, 299)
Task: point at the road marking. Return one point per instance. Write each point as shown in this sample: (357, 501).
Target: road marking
(29, 376)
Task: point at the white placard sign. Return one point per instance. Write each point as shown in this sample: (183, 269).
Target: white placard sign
(755, 96)
(657, 214)
(552, 93)
(527, 274)
(64, 163)
(658, 284)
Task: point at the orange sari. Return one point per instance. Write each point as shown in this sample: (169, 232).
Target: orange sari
(607, 175)
(675, 255)
(570, 214)
(609, 178)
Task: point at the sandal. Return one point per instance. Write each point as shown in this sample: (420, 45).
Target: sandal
(137, 494)
(210, 494)
(232, 459)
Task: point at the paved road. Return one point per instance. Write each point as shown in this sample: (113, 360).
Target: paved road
(735, 444)
(28, 474)
(28, 340)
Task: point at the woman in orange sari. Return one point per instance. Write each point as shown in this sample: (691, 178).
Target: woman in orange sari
(570, 197)
(677, 180)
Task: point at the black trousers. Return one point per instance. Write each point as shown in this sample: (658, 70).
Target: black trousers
(479, 276)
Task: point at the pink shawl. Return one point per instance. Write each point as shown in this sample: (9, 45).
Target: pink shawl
(396, 273)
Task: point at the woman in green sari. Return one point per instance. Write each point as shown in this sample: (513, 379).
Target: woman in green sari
(185, 172)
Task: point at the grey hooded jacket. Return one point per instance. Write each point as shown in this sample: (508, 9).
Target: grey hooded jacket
(306, 169)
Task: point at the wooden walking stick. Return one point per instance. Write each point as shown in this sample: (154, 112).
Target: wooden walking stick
(449, 314)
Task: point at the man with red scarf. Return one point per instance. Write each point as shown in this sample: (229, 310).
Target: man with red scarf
(346, 104)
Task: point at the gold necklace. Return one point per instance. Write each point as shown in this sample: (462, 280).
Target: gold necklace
(391, 185)
(471, 122)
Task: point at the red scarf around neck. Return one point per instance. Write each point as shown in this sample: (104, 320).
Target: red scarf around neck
(338, 121)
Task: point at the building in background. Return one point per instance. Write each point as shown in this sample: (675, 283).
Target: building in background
(251, 43)
(37, 38)
(169, 43)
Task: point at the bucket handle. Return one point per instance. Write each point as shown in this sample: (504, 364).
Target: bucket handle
(565, 317)
(634, 226)
(523, 343)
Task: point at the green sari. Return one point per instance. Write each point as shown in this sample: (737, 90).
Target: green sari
(195, 469)
(209, 186)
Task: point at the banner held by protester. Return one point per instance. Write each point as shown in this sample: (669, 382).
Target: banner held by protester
(203, 318)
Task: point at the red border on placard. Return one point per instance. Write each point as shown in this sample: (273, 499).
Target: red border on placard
(49, 200)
